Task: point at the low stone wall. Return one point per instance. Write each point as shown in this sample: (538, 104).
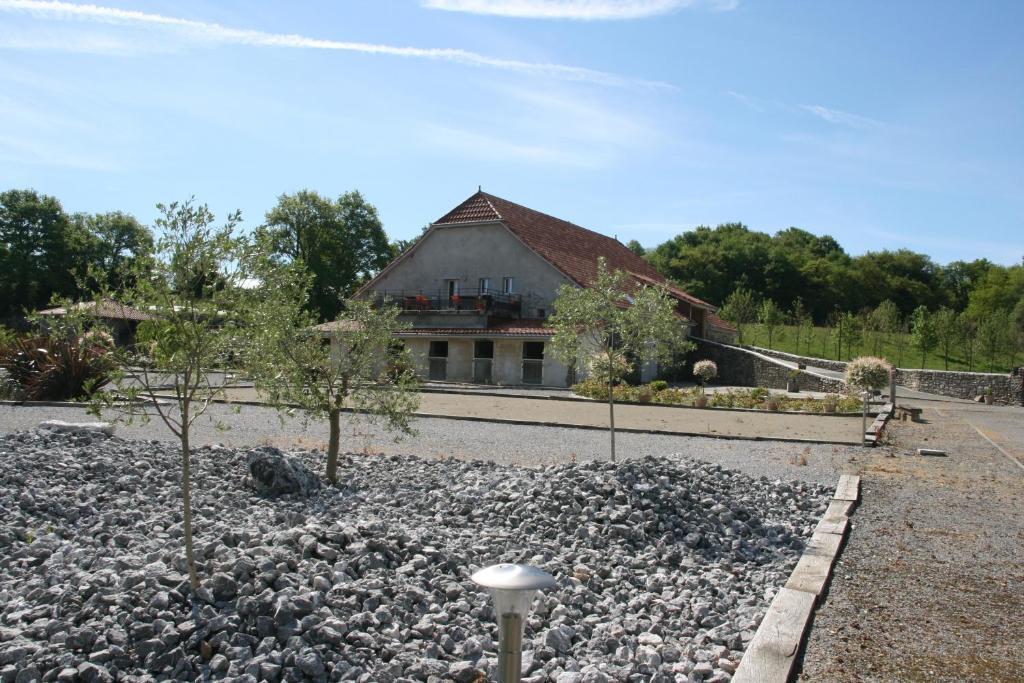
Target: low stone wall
(1006, 389)
(746, 368)
(836, 365)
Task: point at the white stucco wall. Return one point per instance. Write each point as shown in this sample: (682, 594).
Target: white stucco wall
(469, 252)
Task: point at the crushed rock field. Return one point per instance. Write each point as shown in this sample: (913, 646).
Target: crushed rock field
(664, 566)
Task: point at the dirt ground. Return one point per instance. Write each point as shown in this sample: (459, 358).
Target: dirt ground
(930, 585)
(712, 422)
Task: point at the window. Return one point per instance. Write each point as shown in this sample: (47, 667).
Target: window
(483, 348)
(485, 284)
(542, 313)
(507, 285)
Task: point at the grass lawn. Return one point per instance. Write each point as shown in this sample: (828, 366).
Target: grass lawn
(822, 344)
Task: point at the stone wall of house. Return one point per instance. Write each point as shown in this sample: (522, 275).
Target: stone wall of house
(1006, 389)
(747, 368)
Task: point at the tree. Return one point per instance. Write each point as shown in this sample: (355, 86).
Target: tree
(178, 354)
(947, 332)
(740, 309)
(614, 318)
(114, 242)
(40, 251)
(968, 338)
(770, 317)
(853, 332)
(635, 247)
(884, 321)
(341, 243)
(292, 366)
(922, 332)
(992, 337)
(797, 315)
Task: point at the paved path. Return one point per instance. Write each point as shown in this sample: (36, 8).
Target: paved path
(594, 414)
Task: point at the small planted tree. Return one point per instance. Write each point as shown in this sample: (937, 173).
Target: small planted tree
(292, 363)
(770, 316)
(613, 318)
(193, 289)
(705, 371)
(948, 332)
(867, 373)
(922, 332)
(740, 309)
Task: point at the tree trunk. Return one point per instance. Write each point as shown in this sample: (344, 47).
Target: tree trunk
(334, 417)
(611, 412)
(186, 497)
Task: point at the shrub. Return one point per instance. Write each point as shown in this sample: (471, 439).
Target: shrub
(599, 367)
(867, 372)
(705, 370)
(57, 367)
(659, 385)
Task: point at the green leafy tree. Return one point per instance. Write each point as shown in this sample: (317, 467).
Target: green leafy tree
(40, 252)
(797, 314)
(992, 339)
(740, 309)
(968, 338)
(922, 332)
(114, 243)
(178, 356)
(614, 318)
(292, 366)
(948, 332)
(884, 322)
(340, 242)
(770, 317)
(853, 332)
(635, 247)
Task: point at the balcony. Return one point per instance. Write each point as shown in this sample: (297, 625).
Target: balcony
(489, 303)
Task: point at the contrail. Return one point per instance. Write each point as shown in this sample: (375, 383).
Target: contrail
(217, 33)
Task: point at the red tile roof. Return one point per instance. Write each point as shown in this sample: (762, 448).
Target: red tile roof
(527, 327)
(721, 324)
(571, 249)
(108, 309)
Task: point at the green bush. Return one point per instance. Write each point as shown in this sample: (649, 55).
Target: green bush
(659, 385)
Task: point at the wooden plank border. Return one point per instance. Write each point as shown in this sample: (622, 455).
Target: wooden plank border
(773, 651)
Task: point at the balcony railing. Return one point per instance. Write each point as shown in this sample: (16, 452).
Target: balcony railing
(480, 301)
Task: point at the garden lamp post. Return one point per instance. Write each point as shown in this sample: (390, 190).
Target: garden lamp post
(512, 587)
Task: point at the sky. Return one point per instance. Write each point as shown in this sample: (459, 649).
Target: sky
(884, 124)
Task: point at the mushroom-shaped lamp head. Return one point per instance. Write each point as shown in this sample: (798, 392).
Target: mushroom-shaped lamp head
(513, 586)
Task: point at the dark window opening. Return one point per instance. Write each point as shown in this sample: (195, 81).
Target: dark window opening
(438, 349)
(483, 348)
(533, 350)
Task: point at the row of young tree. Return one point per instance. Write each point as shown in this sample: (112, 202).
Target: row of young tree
(46, 252)
(992, 341)
(795, 264)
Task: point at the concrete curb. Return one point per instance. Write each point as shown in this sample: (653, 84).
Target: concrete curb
(774, 650)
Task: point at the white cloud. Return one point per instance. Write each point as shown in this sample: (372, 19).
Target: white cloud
(841, 118)
(585, 10)
(202, 31)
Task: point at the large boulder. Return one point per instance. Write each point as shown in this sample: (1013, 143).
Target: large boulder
(273, 473)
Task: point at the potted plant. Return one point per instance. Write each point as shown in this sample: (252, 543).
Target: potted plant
(704, 371)
(989, 397)
(829, 404)
(771, 403)
(792, 384)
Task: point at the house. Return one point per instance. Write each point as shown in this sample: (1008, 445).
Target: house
(478, 287)
(120, 318)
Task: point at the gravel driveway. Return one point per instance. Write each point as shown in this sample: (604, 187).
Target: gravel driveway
(504, 443)
(930, 586)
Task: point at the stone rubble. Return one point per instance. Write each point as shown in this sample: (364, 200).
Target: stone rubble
(664, 567)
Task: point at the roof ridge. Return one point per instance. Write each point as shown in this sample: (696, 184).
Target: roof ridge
(489, 196)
